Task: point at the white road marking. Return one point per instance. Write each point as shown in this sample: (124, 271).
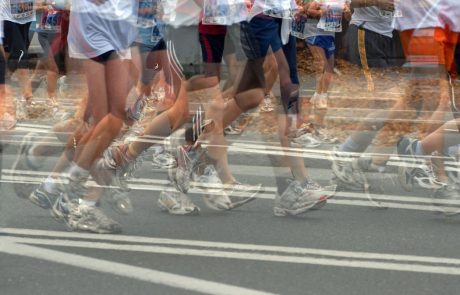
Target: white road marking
(434, 267)
(124, 270)
(254, 147)
(228, 246)
(33, 125)
(349, 198)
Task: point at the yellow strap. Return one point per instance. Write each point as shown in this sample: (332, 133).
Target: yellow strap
(363, 57)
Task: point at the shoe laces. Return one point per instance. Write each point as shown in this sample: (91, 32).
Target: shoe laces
(298, 188)
(209, 171)
(126, 166)
(340, 158)
(428, 170)
(132, 166)
(310, 184)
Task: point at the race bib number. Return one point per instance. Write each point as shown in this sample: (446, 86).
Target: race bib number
(53, 21)
(21, 9)
(167, 10)
(224, 12)
(278, 8)
(331, 21)
(146, 13)
(298, 26)
(157, 33)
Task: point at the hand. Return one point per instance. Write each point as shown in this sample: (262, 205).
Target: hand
(314, 10)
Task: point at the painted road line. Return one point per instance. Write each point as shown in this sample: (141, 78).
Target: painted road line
(340, 262)
(124, 270)
(30, 125)
(145, 184)
(264, 249)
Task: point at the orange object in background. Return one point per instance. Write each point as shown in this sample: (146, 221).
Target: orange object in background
(430, 46)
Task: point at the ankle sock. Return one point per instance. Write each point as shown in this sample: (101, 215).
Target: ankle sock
(419, 149)
(87, 203)
(50, 185)
(32, 159)
(378, 168)
(349, 146)
(76, 171)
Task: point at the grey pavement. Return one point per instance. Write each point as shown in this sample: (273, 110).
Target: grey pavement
(348, 247)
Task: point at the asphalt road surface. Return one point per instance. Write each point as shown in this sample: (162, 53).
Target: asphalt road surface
(350, 246)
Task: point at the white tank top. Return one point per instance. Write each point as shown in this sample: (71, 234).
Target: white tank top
(18, 11)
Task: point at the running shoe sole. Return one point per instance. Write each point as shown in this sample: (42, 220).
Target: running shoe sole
(164, 208)
(277, 211)
(22, 188)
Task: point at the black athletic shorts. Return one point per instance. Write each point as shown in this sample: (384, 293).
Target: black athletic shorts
(212, 47)
(16, 42)
(103, 58)
(380, 51)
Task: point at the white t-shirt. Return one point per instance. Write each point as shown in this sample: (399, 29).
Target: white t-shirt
(312, 30)
(370, 19)
(18, 11)
(417, 14)
(333, 15)
(186, 13)
(97, 29)
(110, 9)
(449, 14)
(259, 6)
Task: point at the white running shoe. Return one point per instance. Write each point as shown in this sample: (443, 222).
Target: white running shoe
(240, 193)
(219, 201)
(177, 203)
(306, 140)
(298, 198)
(7, 121)
(209, 181)
(447, 193)
(161, 159)
(90, 219)
(267, 105)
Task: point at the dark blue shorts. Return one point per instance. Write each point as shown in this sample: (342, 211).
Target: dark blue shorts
(260, 34)
(325, 42)
(146, 48)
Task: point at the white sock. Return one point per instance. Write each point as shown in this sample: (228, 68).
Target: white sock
(50, 185)
(87, 203)
(32, 159)
(378, 168)
(76, 171)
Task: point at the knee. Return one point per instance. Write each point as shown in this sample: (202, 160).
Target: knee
(177, 116)
(114, 123)
(248, 101)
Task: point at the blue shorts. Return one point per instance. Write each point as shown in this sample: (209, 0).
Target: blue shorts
(325, 42)
(261, 33)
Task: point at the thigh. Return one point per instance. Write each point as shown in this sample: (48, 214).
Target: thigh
(117, 81)
(97, 94)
